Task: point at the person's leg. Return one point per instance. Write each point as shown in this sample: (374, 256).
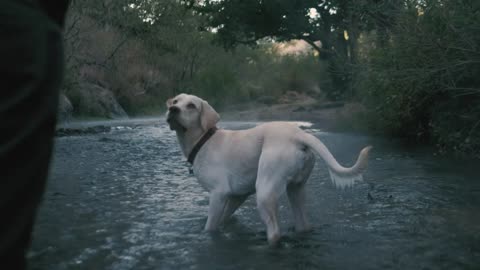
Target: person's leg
(30, 77)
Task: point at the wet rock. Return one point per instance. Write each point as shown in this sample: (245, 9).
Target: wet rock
(65, 109)
(291, 97)
(299, 109)
(95, 100)
(267, 100)
(62, 132)
(329, 105)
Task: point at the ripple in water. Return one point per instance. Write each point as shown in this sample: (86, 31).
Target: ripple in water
(125, 200)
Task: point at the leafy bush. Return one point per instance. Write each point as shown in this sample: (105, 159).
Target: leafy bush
(424, 82)
(143, 64)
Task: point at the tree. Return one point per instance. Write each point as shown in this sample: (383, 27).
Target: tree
(246, 22)
(324, 25)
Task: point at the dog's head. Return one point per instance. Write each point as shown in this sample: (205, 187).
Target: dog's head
(186, 112)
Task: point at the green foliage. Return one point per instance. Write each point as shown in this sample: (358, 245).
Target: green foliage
(248, 74)
(251, 22)
(414, 64)
(151, 50)
(424, 82)
(245, 22)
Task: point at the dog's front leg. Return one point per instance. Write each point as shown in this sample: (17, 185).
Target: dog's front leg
(216, 208)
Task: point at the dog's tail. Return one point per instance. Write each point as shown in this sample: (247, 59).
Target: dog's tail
(342, 177)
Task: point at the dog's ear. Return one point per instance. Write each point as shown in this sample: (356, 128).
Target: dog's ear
(169, 102)
(208, 116)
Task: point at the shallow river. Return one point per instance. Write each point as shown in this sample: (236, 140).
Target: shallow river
(124, 199)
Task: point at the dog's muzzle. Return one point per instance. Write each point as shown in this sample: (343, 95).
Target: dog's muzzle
(173, 123)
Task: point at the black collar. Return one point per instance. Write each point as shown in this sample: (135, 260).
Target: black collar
(200, 143)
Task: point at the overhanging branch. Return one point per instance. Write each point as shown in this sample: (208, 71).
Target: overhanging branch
(319, 49)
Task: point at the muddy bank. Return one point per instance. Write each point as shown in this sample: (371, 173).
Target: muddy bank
(81, 127)
(328, 115)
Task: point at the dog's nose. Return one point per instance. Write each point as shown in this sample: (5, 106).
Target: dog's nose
(174, 109)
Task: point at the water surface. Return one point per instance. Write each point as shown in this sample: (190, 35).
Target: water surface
(124, 199)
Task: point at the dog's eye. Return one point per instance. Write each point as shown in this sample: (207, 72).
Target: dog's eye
(191, 106)
(175, 101)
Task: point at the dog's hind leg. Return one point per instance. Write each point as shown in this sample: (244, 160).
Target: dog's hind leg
(273, 171)
(267, 203)
(296, 196)
(233, 203)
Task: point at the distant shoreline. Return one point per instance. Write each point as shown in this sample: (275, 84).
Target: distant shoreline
(330, 118)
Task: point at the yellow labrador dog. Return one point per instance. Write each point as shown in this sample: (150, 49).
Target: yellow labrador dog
(267, 160)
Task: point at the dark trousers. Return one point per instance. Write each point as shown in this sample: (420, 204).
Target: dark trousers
(31, 65)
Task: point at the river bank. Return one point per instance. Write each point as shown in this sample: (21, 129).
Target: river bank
(331, 116)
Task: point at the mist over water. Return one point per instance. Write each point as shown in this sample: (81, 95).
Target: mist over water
(124, 199)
